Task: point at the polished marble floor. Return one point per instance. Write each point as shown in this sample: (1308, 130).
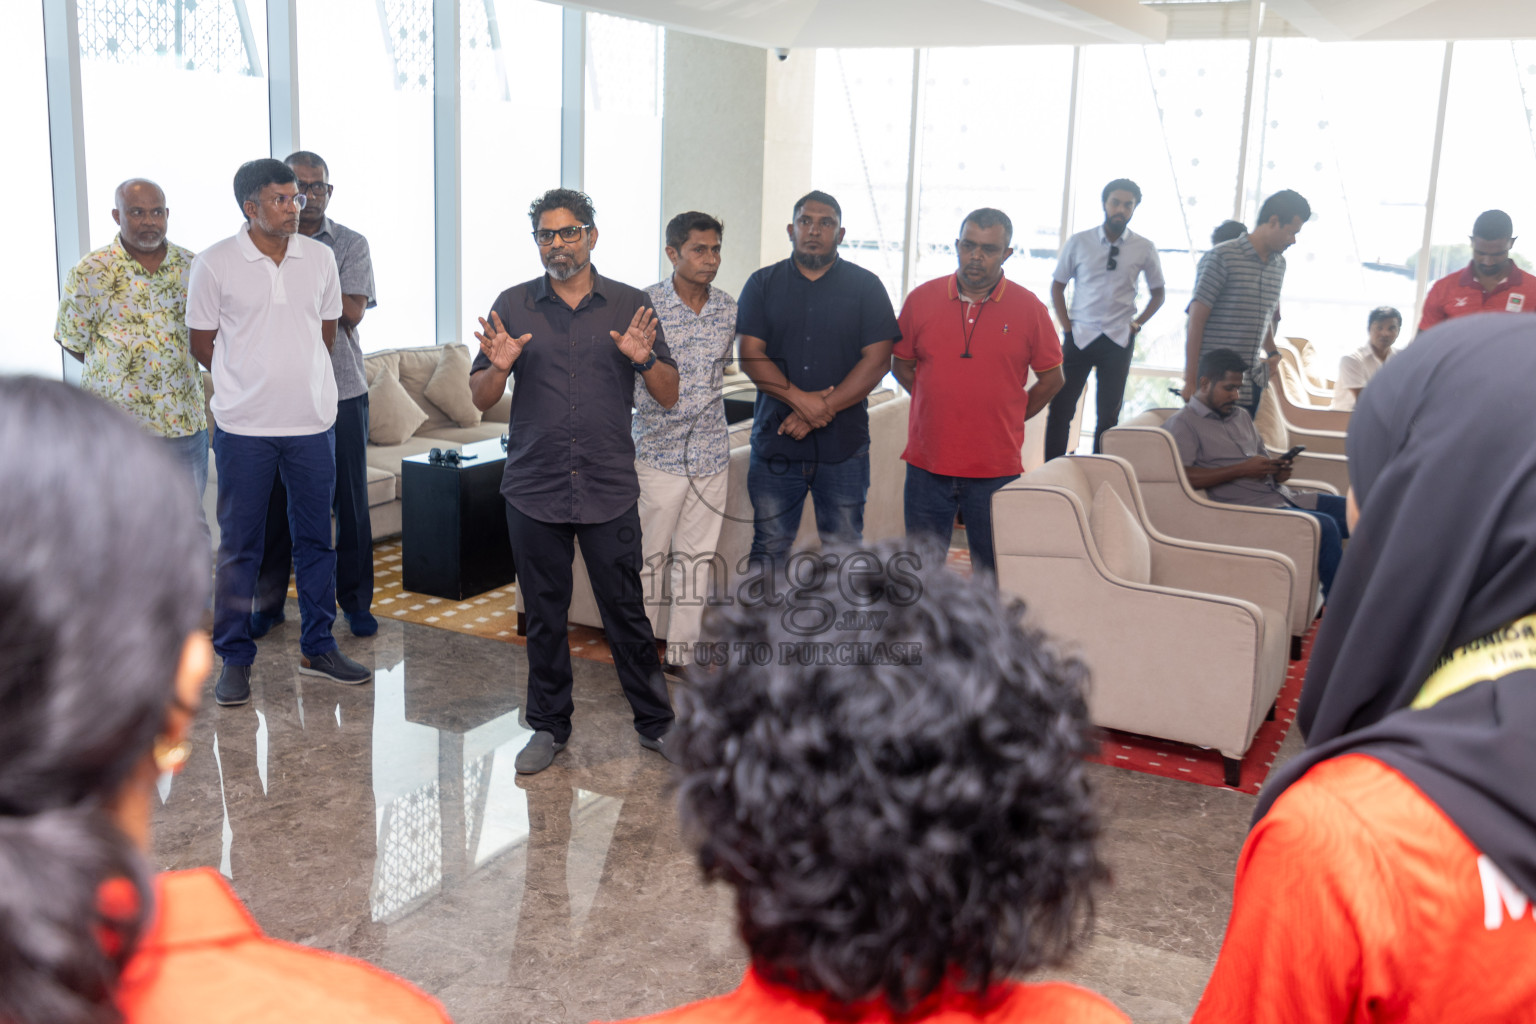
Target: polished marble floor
(385, 821)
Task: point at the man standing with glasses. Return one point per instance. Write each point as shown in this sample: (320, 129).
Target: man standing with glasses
(1491, 283)
(262, 307)
(968, 343)
(354, 532)
(1105, 262)
(575, 341)
(124, 315)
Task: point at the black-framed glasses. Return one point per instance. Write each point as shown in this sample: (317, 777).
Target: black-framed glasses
(1114, 251)
(317, 188)
(545, 236)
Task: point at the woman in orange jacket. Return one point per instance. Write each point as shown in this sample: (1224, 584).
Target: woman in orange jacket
(103, 586)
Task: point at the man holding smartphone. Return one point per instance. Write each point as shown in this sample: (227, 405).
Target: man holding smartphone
(1223, 456)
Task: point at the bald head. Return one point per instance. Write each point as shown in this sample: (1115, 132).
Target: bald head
(141, 215)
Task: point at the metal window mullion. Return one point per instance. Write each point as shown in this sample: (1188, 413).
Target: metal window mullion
(283, 76)
(914, 171)
(573, 97)
(1069, 170)
(1255, 20)
(66, 144)
(1421, 273)
(447, 184)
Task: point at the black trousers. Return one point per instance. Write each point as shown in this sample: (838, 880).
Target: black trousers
(543, 553)
(354, 531)
(1114, 365)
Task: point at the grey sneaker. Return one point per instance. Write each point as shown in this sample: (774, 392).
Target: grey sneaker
(539, 753)
(234, 686)
(335, 666)
(661, 746)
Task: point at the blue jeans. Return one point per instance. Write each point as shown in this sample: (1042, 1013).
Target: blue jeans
(1330, 515)
(192, 452)
(778, 488)
(247, 467)
(931, 501)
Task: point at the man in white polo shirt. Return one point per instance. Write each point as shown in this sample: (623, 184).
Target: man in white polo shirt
(262, 308)
(1105, 262)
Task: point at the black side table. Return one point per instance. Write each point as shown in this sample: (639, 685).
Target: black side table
(454, 523)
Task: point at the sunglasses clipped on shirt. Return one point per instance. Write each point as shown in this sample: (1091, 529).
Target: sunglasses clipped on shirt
(1114, 251)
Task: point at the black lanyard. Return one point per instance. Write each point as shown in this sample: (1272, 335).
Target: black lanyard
(967, 334)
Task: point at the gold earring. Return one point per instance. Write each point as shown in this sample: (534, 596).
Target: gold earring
(171, 758)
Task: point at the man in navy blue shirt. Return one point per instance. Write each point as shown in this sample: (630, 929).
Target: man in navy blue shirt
(575, 342)
(816, 336)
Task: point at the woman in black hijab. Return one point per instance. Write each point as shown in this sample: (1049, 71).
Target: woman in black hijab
(1389, 870)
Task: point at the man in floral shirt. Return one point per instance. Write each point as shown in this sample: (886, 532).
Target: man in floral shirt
(124, 315)
(681, 453)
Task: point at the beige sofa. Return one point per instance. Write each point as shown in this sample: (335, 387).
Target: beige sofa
(1184, 641)
(413, 368)
(883, 510)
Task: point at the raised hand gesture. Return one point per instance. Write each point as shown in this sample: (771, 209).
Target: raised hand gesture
(500, 347)
(636, 342)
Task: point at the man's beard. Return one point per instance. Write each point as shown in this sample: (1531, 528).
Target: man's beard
(565, 271)
(815, 260)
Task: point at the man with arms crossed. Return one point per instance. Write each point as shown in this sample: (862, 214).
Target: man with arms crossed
(1102, 327)
(354, 531)
(1223, 456)
(576, 342)
(968, 342)
(1237, 296)
(682, 453)
(262, 307)
(1491, 283)
(816, 335)
(124, 315)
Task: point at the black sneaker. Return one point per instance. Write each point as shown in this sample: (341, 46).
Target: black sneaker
(661, 746)
(335, 666)
(539, 753)
(234, 686)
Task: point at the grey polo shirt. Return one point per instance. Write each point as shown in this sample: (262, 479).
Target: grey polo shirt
(1207, 440)
(354, 263)
(1243, 293)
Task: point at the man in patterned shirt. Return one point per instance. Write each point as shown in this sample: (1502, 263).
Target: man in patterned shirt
(124, 315)
(681, 453)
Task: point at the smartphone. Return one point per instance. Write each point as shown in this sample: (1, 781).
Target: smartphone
(1288, 456)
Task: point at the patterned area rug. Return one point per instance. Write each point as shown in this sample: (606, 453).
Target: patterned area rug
(1198, 764)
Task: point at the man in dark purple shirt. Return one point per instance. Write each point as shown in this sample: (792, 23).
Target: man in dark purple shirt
(575, 341)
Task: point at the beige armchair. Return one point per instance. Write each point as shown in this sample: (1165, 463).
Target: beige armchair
(1177, 509)
(1314, 394)
(1184, 641)
(1321, 377)
(1295, 410)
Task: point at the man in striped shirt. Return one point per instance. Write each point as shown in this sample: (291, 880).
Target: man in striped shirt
(1237, 295)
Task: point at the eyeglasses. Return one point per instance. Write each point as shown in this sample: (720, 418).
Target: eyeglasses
(299, 200)
(1114, 251)
(544, 236)
(317, 188)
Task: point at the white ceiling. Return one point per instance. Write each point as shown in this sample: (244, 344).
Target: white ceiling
(795, 24)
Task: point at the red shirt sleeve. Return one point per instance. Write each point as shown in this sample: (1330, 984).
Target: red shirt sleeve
(906, 323)
(1434, 306)
(1293, 951)
(1045, 353)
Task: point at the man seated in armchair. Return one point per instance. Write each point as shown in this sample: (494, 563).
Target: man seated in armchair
(1223, 456)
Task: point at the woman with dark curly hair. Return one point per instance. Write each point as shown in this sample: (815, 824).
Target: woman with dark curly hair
(900, 806)
(103, 586)
(1390, 869)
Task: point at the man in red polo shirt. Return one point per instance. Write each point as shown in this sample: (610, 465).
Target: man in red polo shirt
(1491, 283)
(968, 342)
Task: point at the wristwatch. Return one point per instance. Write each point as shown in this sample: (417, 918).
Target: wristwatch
(650, 361)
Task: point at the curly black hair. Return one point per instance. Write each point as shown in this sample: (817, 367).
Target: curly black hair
(914, 813)
(579, 203)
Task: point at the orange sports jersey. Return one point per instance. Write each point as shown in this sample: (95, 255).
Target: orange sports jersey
(204, 959)
(1358, 900)
(761, 1002)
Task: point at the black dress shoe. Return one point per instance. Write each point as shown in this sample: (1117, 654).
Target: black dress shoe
(234, 686)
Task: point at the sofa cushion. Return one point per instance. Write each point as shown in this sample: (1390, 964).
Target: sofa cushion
(381, 486)
(464, 435)
(1121, 540)
(387, 457)
(392, 415)
(416, 368)
(448, 387)
(375, 363)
